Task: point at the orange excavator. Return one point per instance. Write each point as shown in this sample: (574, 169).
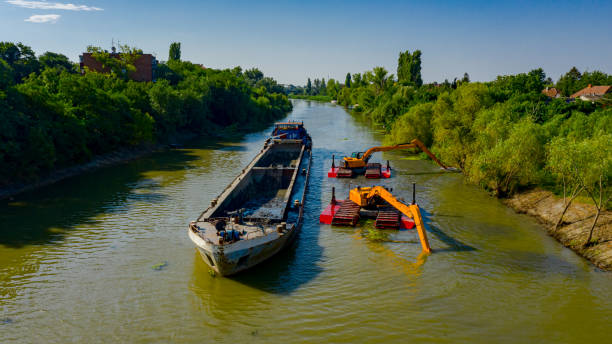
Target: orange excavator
(375, 201)
(357, 163)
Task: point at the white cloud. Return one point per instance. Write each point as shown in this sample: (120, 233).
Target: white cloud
(44, 18)
(44, 5)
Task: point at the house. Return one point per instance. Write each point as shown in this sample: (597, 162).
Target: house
(591, 93)
(551, 92)
(145, 66)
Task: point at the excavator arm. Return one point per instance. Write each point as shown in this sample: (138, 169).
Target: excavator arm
(362, 161)
(365, 196)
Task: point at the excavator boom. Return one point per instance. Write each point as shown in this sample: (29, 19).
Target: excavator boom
(366, 196)
(351, 162)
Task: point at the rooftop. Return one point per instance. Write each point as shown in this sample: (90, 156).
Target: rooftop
(592, 91)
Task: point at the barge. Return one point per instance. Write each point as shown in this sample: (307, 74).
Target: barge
(261, 211)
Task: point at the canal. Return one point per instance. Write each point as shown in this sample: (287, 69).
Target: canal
(105, 257)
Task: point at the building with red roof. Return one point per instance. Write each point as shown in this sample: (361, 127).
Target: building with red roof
(551, 92)
(592, 92)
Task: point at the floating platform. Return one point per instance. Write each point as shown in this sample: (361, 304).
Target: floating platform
(348, 213)
(379, 203)
(372, 171)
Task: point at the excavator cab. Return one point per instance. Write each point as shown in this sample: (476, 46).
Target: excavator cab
(357, 163)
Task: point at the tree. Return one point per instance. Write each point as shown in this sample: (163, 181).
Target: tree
(323, 87)
(21, 58)
(379, 78)
(6, 74)
(174, 53)
(270, 84)
(466, 78)
(347, 80)
(586, 164)
(53, 60)
(409, 68)
(120, 64)
(316, 87)
(253, 76)
(597, 180)
(512, 162)
(356, 80)
(414, 124)
(309, 87)
(564, 160)
(569, 83)
(332, 88)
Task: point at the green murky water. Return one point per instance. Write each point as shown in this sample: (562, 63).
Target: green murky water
(105, 258)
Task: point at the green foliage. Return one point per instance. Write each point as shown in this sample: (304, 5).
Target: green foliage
(347, 80)
(54, 60)
(573, 81)
(6, 75)
(409, 68)
(496, 132)
(380, 79)
(174, 53)
(512, 162)
(119, 64)
(56, 118)
(253, 76)
(416, 123)
(20, 58)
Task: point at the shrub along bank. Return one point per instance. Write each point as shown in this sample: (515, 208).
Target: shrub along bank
(51, 116)
(505, 135)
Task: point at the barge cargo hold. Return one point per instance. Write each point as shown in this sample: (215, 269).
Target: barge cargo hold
(261, 211)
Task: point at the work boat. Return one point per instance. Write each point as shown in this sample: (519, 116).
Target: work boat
(261, 211)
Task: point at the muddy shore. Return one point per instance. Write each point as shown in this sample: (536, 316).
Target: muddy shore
(574, 230)
(110, 159)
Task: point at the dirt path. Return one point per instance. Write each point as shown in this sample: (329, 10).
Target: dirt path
(574, 230)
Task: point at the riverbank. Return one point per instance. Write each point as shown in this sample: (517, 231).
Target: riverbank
(119, 157)
(574, 230)
(106, 160)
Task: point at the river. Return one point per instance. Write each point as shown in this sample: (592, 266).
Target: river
(105, 257)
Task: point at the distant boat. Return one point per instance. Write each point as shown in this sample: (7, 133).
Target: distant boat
(334, 101)
(261, 211)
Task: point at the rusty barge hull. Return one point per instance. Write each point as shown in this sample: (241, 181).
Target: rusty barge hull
(264, 205)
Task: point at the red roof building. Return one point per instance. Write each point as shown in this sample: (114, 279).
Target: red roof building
(145, 66)
(551, 92)
(592, 92)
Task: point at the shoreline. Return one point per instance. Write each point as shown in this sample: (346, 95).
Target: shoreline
(574, 230)
(101, 161)
(106, 160)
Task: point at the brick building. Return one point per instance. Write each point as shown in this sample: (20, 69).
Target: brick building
(145, 66)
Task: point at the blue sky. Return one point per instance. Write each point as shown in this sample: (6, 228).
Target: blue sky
(293, 40)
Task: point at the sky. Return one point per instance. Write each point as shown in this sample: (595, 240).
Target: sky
(293, 40)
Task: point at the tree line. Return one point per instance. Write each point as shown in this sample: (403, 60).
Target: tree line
(505, 135)
(52, 115)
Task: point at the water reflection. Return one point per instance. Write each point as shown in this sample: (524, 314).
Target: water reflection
(84, 267)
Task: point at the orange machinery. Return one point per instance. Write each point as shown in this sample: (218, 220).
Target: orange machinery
(357, 163)
(377, 200)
